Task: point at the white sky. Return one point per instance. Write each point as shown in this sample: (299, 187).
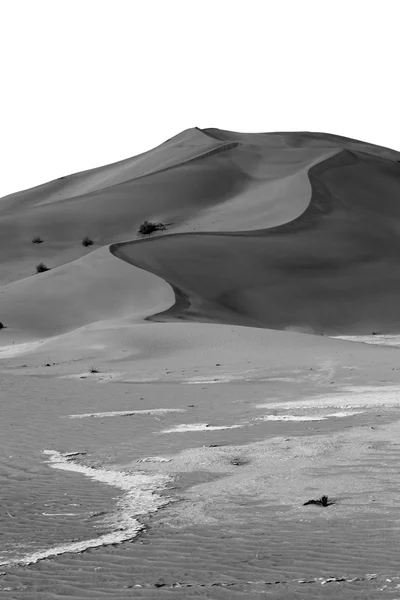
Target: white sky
(89, 82)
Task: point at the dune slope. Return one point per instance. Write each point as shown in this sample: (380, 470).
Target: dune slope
(283, 230)
(333, 269)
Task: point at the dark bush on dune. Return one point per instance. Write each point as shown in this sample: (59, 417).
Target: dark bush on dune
(147, 227)
(37, 240)
(87, 241)
(1, 325)
(41, 268)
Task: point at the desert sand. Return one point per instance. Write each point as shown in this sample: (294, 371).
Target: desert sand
(170, 402)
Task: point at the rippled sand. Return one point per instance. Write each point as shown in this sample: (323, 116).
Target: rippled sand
(157, 490)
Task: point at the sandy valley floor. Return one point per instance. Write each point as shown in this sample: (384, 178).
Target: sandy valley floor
(225, 457)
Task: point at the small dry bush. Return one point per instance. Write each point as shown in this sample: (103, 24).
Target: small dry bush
(87, 241)
(148, 227)
(41, 268)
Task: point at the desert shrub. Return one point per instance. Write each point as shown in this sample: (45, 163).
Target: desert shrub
(37, 240)
(1, 325)
(323, 501)
(41, 268)
(93, 370)
(147, 227)
(87, 241)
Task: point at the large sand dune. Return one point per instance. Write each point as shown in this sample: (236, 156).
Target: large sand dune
(141, 371)
(275, 230)
(332, 269)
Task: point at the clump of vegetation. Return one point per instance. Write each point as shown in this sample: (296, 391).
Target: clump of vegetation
(1, 325)
(148, 227)
(323, 501)
(87, 241)
(37, 240)
(93, 370)
(41, 268)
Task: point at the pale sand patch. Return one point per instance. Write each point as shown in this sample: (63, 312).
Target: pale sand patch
(198, 427)
(140, 498)
(378, 340)
(60, 514)
(217, 379)
(100, 377)
(16, 349)
(290, 418)
(342, 414)
(362, 389)
(155, 459)
(220, 377)
(347, 397)
(308, 417)
(126, 413)
(282, 472)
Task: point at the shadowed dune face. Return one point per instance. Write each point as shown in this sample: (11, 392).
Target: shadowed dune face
(283, 230)
(333, 269)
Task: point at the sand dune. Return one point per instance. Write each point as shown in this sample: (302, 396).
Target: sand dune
(106, 214)
(331, 270)
(93, 288)
(186, 146)
(176, 368)
(285, 220)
